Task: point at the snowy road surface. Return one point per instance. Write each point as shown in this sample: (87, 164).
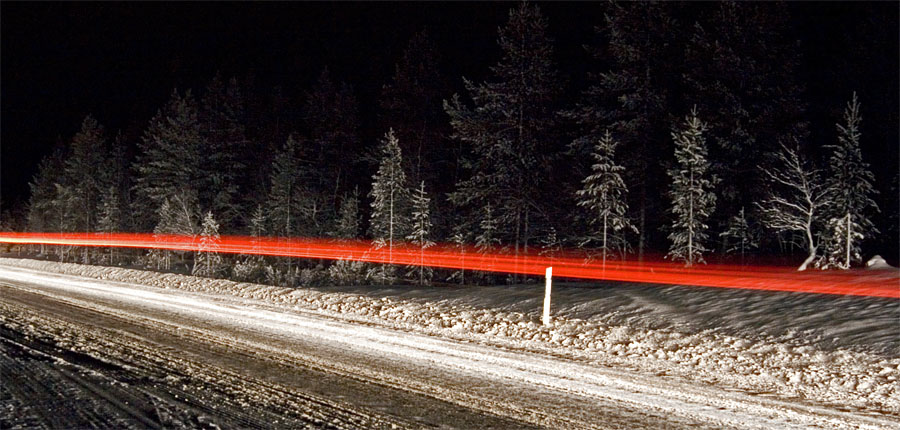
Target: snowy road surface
(201, 359)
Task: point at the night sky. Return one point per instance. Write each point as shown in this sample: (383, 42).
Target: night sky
(120, 62)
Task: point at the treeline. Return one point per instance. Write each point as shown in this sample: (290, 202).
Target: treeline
(689, 141)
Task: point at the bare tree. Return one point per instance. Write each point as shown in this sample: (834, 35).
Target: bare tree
(796, 198)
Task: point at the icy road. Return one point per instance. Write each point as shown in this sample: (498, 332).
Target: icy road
(80, 352)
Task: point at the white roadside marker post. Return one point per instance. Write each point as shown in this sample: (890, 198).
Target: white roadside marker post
(546, 317)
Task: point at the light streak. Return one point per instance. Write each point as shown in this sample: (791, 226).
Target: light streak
(565, 264)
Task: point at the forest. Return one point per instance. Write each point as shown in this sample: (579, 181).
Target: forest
(688, 143)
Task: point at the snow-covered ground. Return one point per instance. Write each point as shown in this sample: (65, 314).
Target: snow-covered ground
(824, 356)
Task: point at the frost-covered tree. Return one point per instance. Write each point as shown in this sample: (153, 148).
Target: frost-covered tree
(390, 204)
(208, 262)
(287, 194)
(459, 240)
(693, 199)
(419, 234)
(740, 236)
(44, 212)
(171, 156)
(109, 216)
(252, 267)
(604, 195)
(176, 215)
(851, 205)
(510, 130)
(83, 178)
(348, 221)
(551, 245)
(486, 241)
(797, 197)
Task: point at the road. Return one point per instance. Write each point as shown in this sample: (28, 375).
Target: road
(85, 352)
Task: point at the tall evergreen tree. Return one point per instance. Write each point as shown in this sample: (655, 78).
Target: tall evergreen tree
(330, 117)
(510, 130)
(171, 156)
(390, 204)
(109, 215)
(741, 65)
(419, 233)
(851, 182)
(693, 199)
(222, 121)
(411, 104)
(634, 98)
(604, 195)
(287, 195)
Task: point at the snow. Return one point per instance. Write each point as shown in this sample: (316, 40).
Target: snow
(841, 353)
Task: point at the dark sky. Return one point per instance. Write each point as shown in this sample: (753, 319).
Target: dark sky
(120, 61)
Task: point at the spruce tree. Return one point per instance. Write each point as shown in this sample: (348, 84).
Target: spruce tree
(739, 236)
(221, 117)
(171, 155)
(208, 262)
(486, 241)
(691, 192)
(82, 178)
(348, 223)
(510, 130)
(390, 204)
(109, 215)
(419, 234)
(851, 183)
(604, 195)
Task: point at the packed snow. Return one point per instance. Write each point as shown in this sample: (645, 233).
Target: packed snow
(841, 352)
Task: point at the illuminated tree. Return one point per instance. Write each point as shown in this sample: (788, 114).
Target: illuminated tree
(691, 192)
(208, 261)
(420, 232)
(390, 204)
(850, 181)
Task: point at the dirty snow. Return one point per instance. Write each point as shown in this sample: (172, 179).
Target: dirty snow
(838, 352)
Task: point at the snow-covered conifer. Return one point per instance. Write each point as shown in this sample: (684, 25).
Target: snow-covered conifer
(109, 217)
(739, 237)
(208, 262)
(348, 222)
(851, 204)
(691, 192)
(458, 239)
(420, 232)
(604, 194)
(797, 196)
(390, 197)
(487, 239)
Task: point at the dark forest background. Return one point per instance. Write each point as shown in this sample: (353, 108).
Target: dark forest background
(289, 137)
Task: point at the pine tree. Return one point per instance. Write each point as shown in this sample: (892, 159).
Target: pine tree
(177, 215)
(109, 216)
(221, 118)
(604, 195)
(82, 177)
(511, 130)
(691, 192)
(411, 104)
(487, 240)
(797, 197)
(741, 65)
(459, 240)
(348, 223)
(739, 237)
(208, 262)
(390, 202)
(171, 155)
(330, 116)
(633, 98)
(287, 194)
(419, 234)
(850, 181)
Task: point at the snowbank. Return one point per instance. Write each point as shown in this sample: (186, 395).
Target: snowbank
(742, 342)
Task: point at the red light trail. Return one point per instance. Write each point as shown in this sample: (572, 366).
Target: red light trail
(566, 265)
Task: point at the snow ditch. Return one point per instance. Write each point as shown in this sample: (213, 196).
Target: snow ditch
(840, 377)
